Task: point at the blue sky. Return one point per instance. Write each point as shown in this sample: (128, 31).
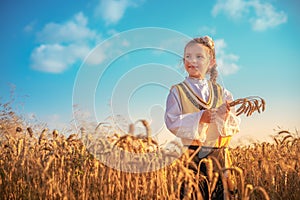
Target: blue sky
(47, 45)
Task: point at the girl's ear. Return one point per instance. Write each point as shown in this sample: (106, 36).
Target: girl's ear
(212, 63)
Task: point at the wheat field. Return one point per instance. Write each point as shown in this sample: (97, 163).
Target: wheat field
(44, 164)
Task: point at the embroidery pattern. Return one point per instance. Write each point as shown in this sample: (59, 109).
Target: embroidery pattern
(201, 101)
(215, 100)
(192, 100)
(214, 96)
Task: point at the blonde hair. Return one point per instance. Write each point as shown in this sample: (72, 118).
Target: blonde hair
(210, 44)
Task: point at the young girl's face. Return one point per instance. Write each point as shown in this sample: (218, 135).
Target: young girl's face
(197, 60)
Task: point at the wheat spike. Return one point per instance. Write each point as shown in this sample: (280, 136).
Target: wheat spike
(249, 105)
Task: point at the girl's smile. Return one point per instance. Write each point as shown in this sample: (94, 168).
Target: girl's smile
(192, 67)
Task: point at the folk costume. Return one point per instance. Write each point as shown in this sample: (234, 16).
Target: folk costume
(185, 104)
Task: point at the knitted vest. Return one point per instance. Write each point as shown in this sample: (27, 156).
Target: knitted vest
(191, 102)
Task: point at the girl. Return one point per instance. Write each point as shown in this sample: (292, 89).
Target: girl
(197, 109)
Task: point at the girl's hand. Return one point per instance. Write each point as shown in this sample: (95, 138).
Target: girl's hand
(208, 116)
(223, 110)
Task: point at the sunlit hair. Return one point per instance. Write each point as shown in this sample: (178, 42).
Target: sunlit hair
(210, 44)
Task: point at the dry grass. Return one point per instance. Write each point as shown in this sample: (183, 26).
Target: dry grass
(46, 165)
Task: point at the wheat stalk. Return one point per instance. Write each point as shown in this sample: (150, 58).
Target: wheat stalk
(249, 105)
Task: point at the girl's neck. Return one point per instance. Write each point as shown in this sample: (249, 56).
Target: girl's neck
(198, 78)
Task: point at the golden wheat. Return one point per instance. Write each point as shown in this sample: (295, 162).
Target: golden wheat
(40, 165)
(249, 105)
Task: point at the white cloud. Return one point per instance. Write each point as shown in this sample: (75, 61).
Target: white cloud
(96, 56)
(233, 8)
(56, 58)
(267, 16)
(62, 45)
(113, 10)
(264, 16)
(227, 62)
(73, 30)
